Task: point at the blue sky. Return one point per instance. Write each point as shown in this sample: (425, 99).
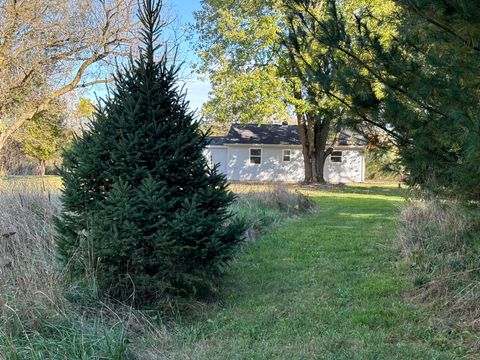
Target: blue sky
(181, 11)
(197, 89)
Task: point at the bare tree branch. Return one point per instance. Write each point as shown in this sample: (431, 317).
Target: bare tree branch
(49, 48)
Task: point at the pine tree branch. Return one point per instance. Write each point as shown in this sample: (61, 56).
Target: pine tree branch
(441, 26)
(367, 119)
(335, 44)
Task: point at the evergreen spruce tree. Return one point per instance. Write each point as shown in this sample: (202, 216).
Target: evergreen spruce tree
(140, 205)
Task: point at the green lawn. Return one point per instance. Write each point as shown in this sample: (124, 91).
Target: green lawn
(326, 286)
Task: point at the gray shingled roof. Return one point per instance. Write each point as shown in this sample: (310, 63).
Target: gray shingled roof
(216, 140)
(270, 134)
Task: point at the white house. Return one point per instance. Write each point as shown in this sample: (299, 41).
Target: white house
(274, 153)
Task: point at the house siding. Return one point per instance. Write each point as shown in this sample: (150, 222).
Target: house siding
(217, 155)
(272, 167)
(234, 161)
(351, 169)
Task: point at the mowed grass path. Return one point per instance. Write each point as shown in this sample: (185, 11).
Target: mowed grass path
(322, 287)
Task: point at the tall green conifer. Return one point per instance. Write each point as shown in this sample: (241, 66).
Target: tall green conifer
(140, 204)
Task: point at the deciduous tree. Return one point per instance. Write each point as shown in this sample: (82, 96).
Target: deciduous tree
(258, 57)
(51, 47)
(251, 74)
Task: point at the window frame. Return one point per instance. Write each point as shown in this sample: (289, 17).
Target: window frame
(289, 155)
(339, 157)
(256, 156)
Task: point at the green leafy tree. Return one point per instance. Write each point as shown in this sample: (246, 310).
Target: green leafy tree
(258, 58)
(81, 116)
(140, 203)
(43, 137)
(251, 75)
(85, 108)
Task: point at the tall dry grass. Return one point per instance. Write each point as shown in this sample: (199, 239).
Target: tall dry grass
(40, 315)
(29, 278)
(441, 244)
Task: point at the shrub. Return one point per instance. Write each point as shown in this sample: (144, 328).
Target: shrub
(440, 242)
(140, 205)
(382, 164)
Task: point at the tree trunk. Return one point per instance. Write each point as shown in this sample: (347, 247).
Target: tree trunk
(3, 163)
(312, 154)
(3, 169)
(322, 152)
(302, 131)
(313, 132)
(41, 168)
(3, 140)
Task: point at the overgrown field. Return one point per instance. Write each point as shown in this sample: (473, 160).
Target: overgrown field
(42, 316)
(326, 281)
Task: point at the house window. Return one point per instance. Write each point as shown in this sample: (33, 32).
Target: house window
(255, 156)
(343, 140)
(287, 155)
(336, 156)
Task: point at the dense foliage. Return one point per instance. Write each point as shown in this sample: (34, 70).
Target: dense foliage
(43, 137)
(417, 81)
(141, 207)
(441, 121)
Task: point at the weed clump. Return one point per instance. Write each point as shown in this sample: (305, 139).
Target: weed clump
(261, 209)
